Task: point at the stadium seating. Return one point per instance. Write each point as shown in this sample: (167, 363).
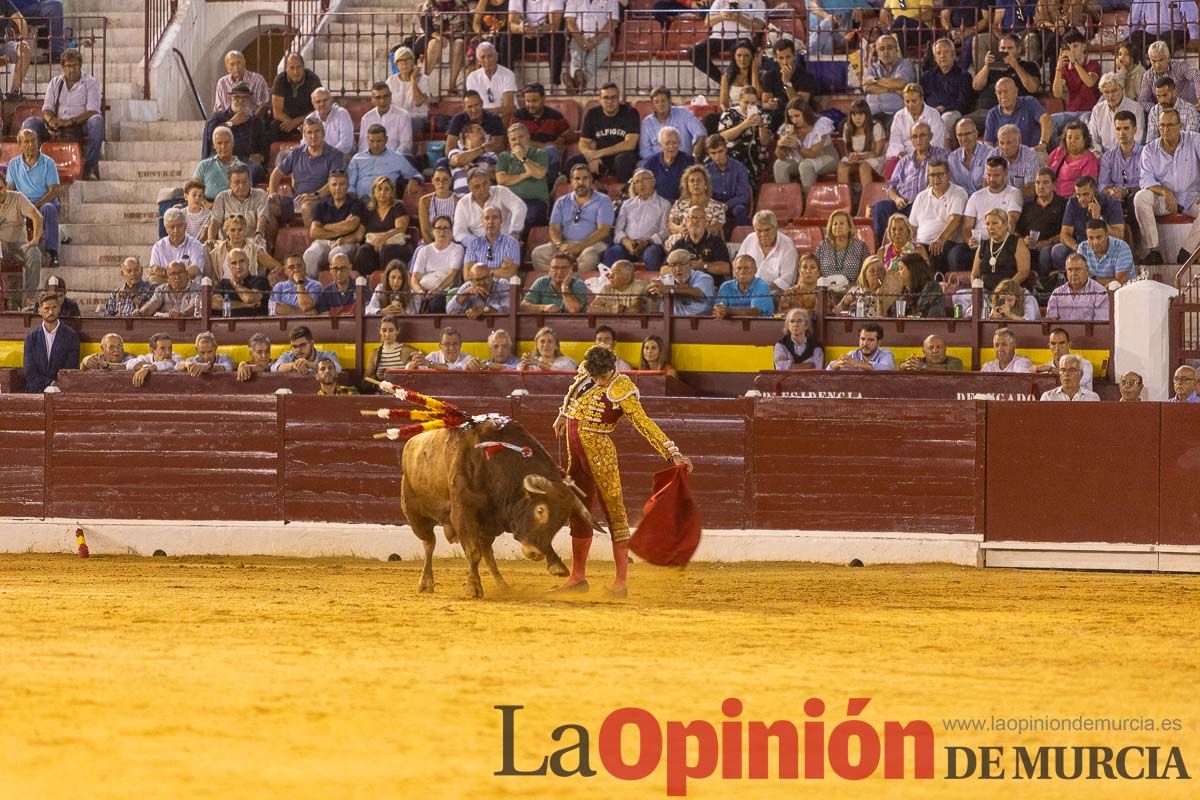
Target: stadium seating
(825, 198)
(785, 199)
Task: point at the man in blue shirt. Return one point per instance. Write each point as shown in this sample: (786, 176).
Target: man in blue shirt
(1184, 383)
(1025, 112)
(309, 166)
(747, 295)
(338, 296)
(1107, 257)
(35, 175)
(691, 289)
(579, 224)
(668, 164)
(379, 159)
(296, 295)
(869, 356)
(303, 357)
(1170, 183)
(691, 132)
(730, 180)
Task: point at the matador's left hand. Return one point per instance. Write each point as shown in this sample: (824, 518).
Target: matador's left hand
(684, 460)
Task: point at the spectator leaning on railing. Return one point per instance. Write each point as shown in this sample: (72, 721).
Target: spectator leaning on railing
(207, 360)
(133, 293)
(161, 358)
(246, 294)
(303, 356)
(484, 293)
(112, 354)
(746, 295)
(178, 297)
(296, 295)
(620, 293)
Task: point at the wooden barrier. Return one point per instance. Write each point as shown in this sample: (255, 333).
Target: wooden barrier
(73, 381)
(12, 380)
(898, 385)
(502, 384)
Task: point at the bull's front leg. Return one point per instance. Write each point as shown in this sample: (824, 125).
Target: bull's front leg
(474, 551)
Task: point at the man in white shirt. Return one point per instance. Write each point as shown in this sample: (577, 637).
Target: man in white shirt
(178, 246)
(1070, 388)
(996, 193)
(1004, 342)
(161, 358)
(915, 110)
(641, 224)
(339, 128)
(1101, 122)
(774, 253)
(496, 84)
(73, 105)
(468, 214)
(448, 356)
(936, 213)
(1060, 349)
(393, 118)
(729, 21)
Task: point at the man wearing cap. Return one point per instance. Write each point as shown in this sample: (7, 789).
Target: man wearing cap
(692, 289)
(236, 74)
(248, 129)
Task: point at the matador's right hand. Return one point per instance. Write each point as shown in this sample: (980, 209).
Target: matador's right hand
(560, 425)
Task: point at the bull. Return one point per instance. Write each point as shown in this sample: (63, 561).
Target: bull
(476, 493)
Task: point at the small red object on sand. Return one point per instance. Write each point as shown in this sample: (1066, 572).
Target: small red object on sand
(669, 532)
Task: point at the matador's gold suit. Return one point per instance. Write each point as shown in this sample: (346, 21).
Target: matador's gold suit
(592, 412)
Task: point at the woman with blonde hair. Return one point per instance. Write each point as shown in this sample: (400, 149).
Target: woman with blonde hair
(386, 227)
(546, 353)
(695, 189)
(261, 262)
(900, 239)
(866, 288)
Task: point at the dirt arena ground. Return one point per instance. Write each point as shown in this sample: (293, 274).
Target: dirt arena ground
(264, 677)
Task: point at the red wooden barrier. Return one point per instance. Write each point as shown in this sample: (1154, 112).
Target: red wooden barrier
(898, 385)
(23, 426)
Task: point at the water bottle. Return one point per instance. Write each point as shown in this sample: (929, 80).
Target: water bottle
(860, 308)
(227, 306)
(987, 306)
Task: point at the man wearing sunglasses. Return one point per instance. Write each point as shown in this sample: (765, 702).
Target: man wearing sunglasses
(499, 253)
(579, 225)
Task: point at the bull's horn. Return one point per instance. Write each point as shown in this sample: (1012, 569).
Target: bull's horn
(574, 487)
(536, 484)
(581, 511)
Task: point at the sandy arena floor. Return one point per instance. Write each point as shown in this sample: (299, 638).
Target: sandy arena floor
(264, 677)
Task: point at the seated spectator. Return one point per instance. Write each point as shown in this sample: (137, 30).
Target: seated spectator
(248, 130)
(1183, 383)
(991, 68)
(1129, 67)
(1041, 223)
(1023, 163)
(309, 166)
(804, 150)
(241, 200)
(207, 359)
(1080, 299)
(547, 127)
(410, 91)
(915, 110)
(784, 77)
(338, 296)
(559, 291)
(908, 179)
(620, 293)
(1070, 388)
(1168, 99)
(591, 30)
(996, 195)
(58, 287)
(20, 232)
(468, 213)
(391, 353)
(499, 253)
(608, 138)
(1011, 302)
(441, 202)
(336, 227)
(886, 75)
(178, 297)
(1107, 257)
(524, 169)
(640, 224)
(933, 358)
(112, 354)
(1186, 77)
(501, 358)
(391, 297)
(691, 289)
(747, 133)
(579, 225)
(730, 181)
(483, 293)
(161, 358)
(377, 160)
(435, 268)
(1102, 120)
(303, 356)
(696, 191)
(71, 112)
(474, 113)
(546, 353)
(134, 292)
(1025, 112)
(17, 47)
(669, 163)
(841, 252)
(385, 229)
(471, 154)
(863, 298)
(607, 337)
(291, 98)
(870, 355)
(747, 295)
(1075, 81)
(900, 240)
(246, 293)
(495, 83)
(864, 141)
(1121, 166)
(1170, 181)
(261, 262)
(969, 160)
(804, 293)
(1060, 349)
(1086, 205)
(729, 22)
(396, 123)
(448, 356)
(339, 127)
(654, 356)
(296, 295)
(260, 358)
(327, 383)
(1073, 159)
(1004, 342)
(740, 72)
(236, 74)
(196, 214)
(706, 251)
(49, 347)
(910, 24)
(936, 214)
(35, 175)
(664, 114)
(921, 294)
(798, 349)
(1131, 387)
(1000, 254)
(774, 255)
(947, 86)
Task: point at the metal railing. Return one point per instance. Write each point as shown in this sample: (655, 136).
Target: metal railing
(157, 16)
(87, 34)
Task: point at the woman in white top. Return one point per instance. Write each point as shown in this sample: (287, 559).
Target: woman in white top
(798, 349)
(410, 90)
(261, 262)
(546, 354)
(440, 202)
(741, 72)
(804, 150)
(391, 295)
(435, 268)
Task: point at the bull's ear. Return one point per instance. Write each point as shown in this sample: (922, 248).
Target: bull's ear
(536, 484)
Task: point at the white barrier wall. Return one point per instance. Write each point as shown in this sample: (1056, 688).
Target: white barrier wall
(1141, 339)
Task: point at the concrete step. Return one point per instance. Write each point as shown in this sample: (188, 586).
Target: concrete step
(182, 133)
(362, 48)
(88, 286)
(100, 8)
(120, 54)
(117, 20)
(116, 90)
(106, 191)
(104, 255)
(125, 36)
(348, 71)
(166, 171)
(114, 232)
(150, 151)
(113, 214)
